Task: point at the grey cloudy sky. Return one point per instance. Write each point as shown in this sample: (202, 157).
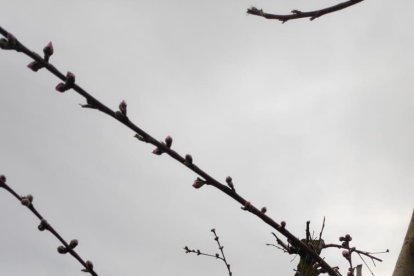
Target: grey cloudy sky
(311, 119)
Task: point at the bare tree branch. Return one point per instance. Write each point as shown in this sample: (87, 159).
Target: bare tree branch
(11, 43)
(297, 14)
(66, 247)
(216, 256)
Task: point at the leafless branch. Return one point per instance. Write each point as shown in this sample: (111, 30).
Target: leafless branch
(323, 226)
(216, 256)
(66, 247)
(11, 43)
(296, 14)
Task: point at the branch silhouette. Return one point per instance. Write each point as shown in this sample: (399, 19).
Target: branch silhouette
(10, 42)
(216, 255)
(297, 14)
(66, 247)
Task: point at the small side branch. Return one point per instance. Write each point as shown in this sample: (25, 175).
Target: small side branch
(66, 247)
(297, 14)
(220, 256)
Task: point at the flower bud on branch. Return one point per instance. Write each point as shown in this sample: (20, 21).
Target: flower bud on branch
(188, 159)
(198, 183)
(229, 182)
(168, 141)
(89, 266)
(48, 51)
(43, 225)
(68, 84)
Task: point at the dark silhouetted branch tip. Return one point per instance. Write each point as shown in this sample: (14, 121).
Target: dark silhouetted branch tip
(3, 179)
(283, 224)
(198, 183)
(263, 210)
(168, 141)
(48, 51)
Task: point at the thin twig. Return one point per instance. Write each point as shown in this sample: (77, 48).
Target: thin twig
(323, 226)
(216, 256)
(11, 43)
(67, 247)
(296, 14)
(365, 253)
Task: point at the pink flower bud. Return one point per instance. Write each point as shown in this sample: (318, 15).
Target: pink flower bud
(61, 87)
(48, 51)
(35, 66)
(70, 79)
(123, 108)
(198, 183)
(157, 151)
(346, 254)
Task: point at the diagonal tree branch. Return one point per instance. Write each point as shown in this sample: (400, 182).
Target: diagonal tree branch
(66, 247)
(11, 43)
(297, 14)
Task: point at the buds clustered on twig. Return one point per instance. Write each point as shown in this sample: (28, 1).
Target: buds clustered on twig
(68, 84)
(27, 200)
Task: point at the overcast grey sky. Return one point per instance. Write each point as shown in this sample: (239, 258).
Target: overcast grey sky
(311, 119)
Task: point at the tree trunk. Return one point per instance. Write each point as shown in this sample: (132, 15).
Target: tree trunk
(405, 262)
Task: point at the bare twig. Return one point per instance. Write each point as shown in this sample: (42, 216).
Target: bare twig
(66, 247)
(296, 14)
(365, 253)
(11, 43)
(216, 256)
(323, 226)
